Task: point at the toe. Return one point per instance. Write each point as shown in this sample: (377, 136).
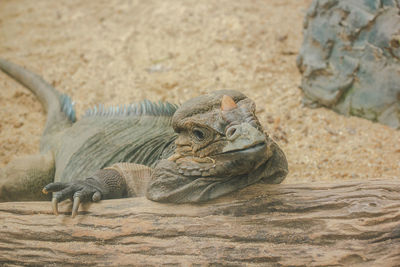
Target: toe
(75, 206)
(54, 187)
(54, 205)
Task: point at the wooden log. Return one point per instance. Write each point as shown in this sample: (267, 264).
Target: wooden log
(278, 225)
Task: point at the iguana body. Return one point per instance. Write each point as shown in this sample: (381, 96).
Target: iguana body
(210, 146)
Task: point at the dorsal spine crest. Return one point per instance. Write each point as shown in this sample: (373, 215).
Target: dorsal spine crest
(68, 107)
(141, 108)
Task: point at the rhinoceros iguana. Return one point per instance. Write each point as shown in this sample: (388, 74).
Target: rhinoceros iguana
(207, 147)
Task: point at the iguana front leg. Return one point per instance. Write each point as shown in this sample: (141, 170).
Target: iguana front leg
(119, 180)
(102, 185)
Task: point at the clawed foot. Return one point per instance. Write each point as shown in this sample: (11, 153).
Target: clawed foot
(79, 191)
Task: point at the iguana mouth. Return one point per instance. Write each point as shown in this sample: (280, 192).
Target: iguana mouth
(253, 148)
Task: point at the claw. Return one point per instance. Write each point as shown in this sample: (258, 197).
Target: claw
(54, 205)
(75, 206)
(96, 196)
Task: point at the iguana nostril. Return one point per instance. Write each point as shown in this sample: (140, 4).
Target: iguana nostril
(232, 133)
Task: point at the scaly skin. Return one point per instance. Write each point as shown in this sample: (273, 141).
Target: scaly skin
(210, 146)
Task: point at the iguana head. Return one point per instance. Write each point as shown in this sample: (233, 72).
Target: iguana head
(219, 135)
(220, 147)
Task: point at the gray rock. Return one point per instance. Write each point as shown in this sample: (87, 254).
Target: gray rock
(350, 58)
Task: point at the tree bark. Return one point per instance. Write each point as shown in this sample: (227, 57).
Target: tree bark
(297, 225)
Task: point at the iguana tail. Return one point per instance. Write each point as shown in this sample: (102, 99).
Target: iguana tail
(59, 107)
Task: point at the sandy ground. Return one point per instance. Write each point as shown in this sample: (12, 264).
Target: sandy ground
(119, 51)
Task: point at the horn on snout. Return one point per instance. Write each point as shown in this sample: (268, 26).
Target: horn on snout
(227, 103)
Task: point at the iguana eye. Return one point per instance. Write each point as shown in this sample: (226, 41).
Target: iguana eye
(199, 134)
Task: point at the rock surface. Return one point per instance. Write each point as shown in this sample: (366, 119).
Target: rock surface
(344, 224)
(350, 58)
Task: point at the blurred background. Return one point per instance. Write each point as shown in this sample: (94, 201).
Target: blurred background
(117, 52)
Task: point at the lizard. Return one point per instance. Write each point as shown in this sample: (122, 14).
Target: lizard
(207, 147)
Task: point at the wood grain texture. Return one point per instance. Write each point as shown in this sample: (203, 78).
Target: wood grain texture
(354, 223)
